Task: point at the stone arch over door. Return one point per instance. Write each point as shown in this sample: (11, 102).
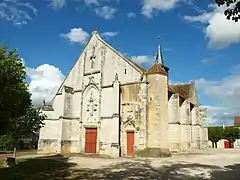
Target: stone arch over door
(129, 136)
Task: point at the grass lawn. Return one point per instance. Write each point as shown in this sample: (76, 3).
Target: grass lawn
(1, 162)
(9, 152)
(47, 168)
(5, 152)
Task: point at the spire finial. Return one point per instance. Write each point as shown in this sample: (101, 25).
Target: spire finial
(159, 59)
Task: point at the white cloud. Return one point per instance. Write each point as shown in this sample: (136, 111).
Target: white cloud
(225, 92)
(151, 6)
(76, 35)
(143, 59)
(220, 31)
(219, 115)
(208, 60)
(109, 34)
(19, 13)
(106, 12)
(92, 2)
(44, 83)
(131, 15)
(57, 4)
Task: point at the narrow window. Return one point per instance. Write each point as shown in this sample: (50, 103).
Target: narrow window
(125, 71)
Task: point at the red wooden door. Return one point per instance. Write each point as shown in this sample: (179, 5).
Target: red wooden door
(130, 143)
(90, 140)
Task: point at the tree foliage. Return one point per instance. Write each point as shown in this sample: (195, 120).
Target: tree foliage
(21, 127)
(231, 134)
(215, 134)
(27, 124)
(14, 94)
(18, 117)
(232, 11)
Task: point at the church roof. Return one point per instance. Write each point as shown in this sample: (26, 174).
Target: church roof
(156, 69)
(185, 91)
(182, 89)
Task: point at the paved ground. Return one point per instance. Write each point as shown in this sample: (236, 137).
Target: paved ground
(212, 164)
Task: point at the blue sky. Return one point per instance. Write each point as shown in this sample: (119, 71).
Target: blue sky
(198, 43)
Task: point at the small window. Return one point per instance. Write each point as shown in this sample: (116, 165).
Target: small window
(150, 99)
(125, 71)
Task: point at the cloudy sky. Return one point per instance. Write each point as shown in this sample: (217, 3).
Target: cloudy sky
(198, 42)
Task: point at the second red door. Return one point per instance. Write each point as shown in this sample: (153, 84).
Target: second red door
(91, 140)
(130, 143)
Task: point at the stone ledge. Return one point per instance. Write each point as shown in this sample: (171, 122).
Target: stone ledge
(153, 152)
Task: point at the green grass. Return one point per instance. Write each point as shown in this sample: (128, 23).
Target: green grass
(1, 162)
(17, 161)
(9, 152)
(5, 152)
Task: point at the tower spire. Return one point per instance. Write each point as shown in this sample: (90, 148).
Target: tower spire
(159, 59)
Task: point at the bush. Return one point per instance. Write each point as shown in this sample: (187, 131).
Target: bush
(6, 143)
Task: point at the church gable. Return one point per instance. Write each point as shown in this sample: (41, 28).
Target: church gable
(97, 55)
(86, 61)
(115, 63)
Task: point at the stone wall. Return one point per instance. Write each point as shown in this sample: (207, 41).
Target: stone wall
(174, 126)
(175, 137)
(185, 126)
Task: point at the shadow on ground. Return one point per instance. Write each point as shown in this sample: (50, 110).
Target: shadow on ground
(51, 167)
(137, 170)
(56, 167)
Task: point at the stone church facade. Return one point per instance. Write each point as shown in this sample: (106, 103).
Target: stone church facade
(109, 105)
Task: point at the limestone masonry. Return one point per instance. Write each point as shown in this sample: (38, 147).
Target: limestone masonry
(109, 105)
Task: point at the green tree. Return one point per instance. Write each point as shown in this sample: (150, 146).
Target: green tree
(14, 94)
(215, 134)
(231, 134)
(18, 117)
(232, 11)
(23, 126)
(27, 124)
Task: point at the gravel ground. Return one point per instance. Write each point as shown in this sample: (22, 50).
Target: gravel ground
(211, 164)
(216, 164)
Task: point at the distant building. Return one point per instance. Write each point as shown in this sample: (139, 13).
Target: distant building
(237, 121)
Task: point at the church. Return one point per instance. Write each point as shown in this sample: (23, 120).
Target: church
(109, 105)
